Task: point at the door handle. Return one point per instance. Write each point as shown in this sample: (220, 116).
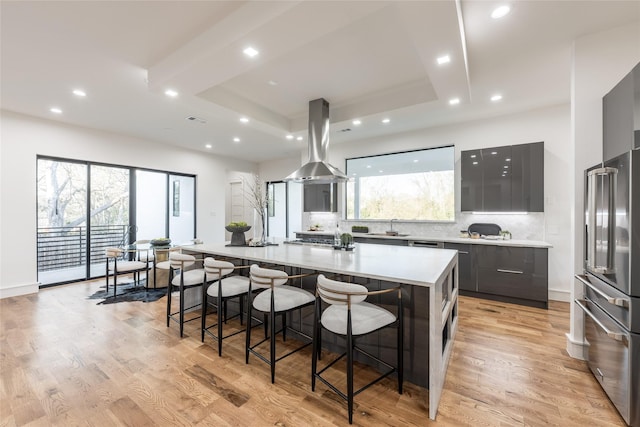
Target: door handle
(592, 241)
(501, 270)
(620, 302)
(618, 336)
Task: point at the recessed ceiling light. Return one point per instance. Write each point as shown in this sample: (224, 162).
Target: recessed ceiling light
(444, 60)
(244, 120)
(208, 146)
(385, 121)
(506, 167)
(507, 160)
(368, 166)
(356, 122)
(236, 139)
(250, 52)
(79, 92)
(494, 152)
(495, 98)
(55, 110)
(500, 11)
(380, 171)
(354, 174)
(475, 163)
(272, 83)
(299, 138)
(289, 137)
(454, 101)
(415, 160)
(473, 156)
(170, 92)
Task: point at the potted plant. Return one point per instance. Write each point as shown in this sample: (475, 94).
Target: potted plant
(237, 230)
(346, 242)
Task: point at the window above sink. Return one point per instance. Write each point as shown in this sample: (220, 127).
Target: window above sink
(412, 186)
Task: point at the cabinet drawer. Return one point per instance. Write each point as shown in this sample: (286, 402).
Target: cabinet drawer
(510, 283)
(507, 258)
(513, 272)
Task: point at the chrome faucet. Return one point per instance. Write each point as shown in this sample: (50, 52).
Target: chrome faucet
(391, 224)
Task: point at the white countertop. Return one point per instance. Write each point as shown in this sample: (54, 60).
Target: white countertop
(399, 264)
(466, 240)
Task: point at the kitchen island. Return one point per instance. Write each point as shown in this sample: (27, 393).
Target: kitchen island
(429, 279)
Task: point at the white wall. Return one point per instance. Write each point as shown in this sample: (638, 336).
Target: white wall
(24, 137)
(600, 62)
(551, 125)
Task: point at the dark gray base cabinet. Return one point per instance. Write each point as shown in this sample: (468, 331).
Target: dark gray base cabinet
(466, 266)
(503, 273)
(515, 274)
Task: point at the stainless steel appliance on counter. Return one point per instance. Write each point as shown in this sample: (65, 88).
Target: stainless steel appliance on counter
(612, 280)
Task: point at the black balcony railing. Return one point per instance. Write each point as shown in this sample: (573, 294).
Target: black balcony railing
(66, 247)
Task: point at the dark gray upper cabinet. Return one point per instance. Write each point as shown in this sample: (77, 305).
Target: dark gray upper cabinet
(621, 116)
(503, 179)
(497, 179)
(471, 186)
(527, 177)
(321, 197)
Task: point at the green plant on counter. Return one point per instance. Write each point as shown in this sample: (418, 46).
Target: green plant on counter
(346, 239)
(237, 224)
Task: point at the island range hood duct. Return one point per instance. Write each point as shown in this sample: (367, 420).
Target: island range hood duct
(317, 170)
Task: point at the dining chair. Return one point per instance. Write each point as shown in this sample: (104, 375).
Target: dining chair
(116, 265)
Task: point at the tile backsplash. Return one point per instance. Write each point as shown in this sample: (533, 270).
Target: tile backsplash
(522, 227)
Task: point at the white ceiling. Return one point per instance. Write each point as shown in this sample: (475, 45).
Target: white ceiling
(369, 59)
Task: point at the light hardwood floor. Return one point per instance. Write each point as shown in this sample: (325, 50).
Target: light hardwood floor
(67, 361)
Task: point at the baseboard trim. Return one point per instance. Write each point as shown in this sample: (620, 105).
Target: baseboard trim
(576, 349)
(17, 290)
(559, 295)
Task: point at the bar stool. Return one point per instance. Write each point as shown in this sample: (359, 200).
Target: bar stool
(186, 279)
(350, 316)
(222, 287)
(164, 265)
(276, 298)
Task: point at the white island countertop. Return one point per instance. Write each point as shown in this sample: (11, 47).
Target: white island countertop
(399, 264)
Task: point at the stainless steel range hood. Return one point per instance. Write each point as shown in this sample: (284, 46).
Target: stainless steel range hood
(317, 170)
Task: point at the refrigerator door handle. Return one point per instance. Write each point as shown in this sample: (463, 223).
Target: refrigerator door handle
(592, 244)
(618, 336)
(620, 302)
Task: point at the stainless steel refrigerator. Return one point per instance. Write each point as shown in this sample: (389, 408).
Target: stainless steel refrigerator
(612, 280)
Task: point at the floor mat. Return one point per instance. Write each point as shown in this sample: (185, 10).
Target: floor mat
(129, 292)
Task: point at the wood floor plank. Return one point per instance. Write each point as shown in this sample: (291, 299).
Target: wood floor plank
(118, 364)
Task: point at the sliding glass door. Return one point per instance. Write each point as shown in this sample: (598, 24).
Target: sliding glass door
(284, 215)
(84, 208)
(62, 221)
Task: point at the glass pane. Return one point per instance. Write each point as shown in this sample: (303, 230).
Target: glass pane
(109, 203)
(151, 205)
(181, 208)
(277, 212)
(415, 185)
(62, 201)
(295, 208)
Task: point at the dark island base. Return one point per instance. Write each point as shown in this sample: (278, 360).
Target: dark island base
(381, 344)
(511, 300)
